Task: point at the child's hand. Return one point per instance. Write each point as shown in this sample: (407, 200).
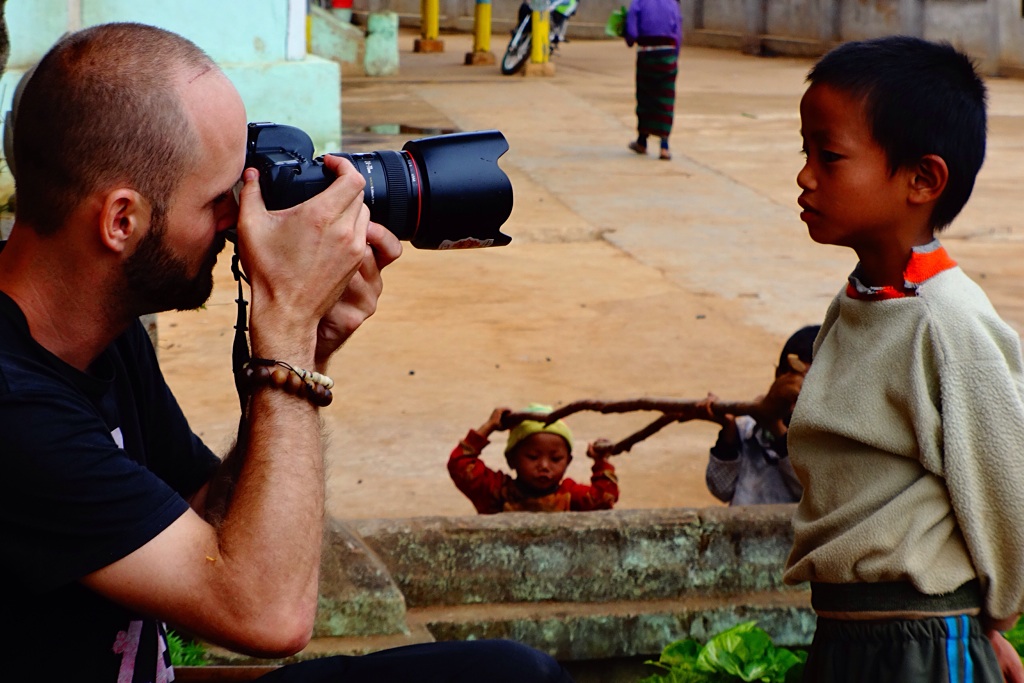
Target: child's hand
(705, 411)
(776, 407)
(1009, 660)
(495, 423)
(778, 403)
(598, 450)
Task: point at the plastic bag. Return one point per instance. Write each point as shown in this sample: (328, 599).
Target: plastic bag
(616, 23)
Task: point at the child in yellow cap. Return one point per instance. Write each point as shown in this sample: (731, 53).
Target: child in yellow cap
(539, 454)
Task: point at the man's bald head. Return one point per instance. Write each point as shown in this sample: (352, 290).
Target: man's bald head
(103, 110)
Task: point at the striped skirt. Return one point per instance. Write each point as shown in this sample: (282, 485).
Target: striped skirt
(656, 70)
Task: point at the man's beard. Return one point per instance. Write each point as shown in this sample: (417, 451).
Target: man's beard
(157, 280)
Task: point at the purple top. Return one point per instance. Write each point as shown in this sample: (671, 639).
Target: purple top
(653, 19)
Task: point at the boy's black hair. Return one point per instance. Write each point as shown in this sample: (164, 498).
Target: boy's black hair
(801, 343)
(920, 98)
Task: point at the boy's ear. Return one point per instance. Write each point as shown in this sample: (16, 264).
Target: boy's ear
(122, 213)
(928, 179)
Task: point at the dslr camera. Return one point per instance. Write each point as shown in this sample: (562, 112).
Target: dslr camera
(441, 192)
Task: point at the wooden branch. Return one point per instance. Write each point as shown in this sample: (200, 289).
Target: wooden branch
(683, 410)
(673, 410)
(626, 444)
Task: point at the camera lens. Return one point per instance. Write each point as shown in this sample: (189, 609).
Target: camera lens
(392, 190)
(442, 192)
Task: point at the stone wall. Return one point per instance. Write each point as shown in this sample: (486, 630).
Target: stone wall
(581, 586)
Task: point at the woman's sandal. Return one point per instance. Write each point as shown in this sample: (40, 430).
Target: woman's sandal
(665, 155)
(638, 148)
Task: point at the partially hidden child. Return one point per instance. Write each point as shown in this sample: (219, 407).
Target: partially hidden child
(908, 435)
(749, 463)
(539, 454)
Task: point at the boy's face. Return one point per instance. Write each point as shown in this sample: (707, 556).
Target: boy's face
(541, 460)
(850, 198)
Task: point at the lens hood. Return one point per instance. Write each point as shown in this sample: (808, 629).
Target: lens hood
(466, 197)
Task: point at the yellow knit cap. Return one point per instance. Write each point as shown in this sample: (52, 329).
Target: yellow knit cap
(530, 427)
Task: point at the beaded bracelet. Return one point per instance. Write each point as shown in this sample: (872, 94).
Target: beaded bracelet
(281, 375)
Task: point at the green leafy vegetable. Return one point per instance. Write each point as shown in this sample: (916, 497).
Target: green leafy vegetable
(742, 653)
(184, 653)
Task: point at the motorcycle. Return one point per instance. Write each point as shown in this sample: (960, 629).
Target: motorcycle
(519, 46)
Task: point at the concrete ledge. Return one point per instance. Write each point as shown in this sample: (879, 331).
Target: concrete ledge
(583, 557)
(358, 597)
(581, 586)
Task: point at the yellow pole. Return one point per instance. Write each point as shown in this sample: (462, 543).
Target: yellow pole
(482, 26)
(539, 48)
(431, 19)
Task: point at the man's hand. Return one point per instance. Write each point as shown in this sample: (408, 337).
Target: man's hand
(300, 260)
(359, 300)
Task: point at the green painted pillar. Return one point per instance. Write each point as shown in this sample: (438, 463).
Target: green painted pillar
(381, 44)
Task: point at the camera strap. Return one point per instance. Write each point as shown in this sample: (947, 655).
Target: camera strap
(240, 346)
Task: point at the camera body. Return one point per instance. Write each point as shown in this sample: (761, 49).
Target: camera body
(441, 192)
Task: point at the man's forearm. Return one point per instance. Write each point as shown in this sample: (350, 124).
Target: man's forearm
(272, 522)
(212, 501)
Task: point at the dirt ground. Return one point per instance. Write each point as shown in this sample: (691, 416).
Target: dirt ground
(626, 276)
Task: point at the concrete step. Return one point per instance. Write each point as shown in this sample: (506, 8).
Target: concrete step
(587, 631)
(575, 632)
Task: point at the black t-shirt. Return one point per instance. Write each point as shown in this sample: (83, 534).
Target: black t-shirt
(94, 466)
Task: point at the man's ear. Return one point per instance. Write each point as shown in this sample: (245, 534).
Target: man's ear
(123, 214)
(928, 179)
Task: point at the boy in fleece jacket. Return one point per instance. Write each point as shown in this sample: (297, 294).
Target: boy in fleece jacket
(909, 430)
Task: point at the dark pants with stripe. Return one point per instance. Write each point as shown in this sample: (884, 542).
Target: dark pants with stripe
(490, 661)
(934, 649)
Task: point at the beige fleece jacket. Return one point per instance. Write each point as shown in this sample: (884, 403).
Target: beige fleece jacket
(908, 438)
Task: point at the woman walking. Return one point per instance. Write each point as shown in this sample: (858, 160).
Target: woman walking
(656, 28)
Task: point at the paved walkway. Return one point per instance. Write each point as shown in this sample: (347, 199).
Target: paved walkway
(626, 276)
